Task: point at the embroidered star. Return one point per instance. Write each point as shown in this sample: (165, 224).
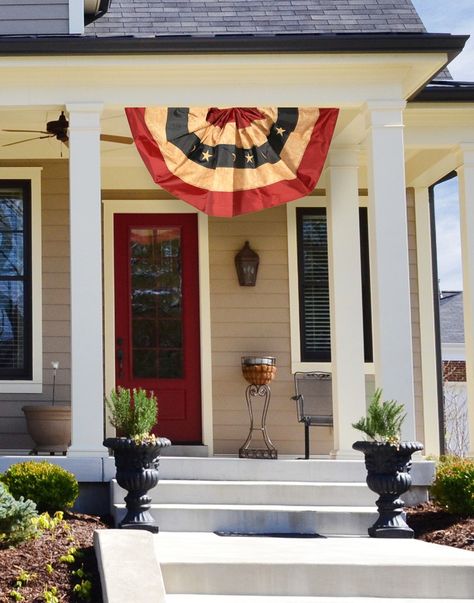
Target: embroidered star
(280, 131)
(206, 155)
(249, 158)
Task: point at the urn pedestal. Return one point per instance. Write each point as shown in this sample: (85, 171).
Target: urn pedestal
(388, 475)
(137, 472)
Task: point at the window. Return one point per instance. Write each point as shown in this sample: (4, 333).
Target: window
(315, 327)
(313, 277)
(15, 280)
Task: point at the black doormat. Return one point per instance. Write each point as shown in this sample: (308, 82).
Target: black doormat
(270, 534)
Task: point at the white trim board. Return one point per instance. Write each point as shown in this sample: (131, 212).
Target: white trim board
(76, 16)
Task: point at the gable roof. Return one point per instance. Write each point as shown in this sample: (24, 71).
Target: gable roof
(143, 18)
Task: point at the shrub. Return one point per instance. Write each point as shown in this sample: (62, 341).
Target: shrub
(132, 418)
(383, 421)
(453, 487)
(16, 518)
(51, 487)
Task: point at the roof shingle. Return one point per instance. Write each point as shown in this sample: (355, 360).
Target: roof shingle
(201, 17)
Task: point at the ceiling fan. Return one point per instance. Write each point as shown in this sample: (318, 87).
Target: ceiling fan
(58, 129)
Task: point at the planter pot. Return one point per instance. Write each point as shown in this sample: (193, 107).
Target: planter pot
(137, 472)
(388, 474)
(49, 427)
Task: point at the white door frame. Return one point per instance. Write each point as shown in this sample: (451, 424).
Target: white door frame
(112, 207)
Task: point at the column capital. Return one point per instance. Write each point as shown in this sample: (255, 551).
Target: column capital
(85, 107)
(384, 113)
(465, 155)
(343, 156)
(84, 115)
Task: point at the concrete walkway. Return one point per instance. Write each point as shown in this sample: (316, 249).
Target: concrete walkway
(198, 567)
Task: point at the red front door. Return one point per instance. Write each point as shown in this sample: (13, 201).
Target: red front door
(157, 317)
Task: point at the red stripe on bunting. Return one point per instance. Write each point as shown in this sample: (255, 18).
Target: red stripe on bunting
(228, 204)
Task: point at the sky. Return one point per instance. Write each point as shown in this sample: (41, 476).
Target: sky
(450, 16)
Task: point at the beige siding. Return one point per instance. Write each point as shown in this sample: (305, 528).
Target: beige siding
(247, 320)
(56, 319)
(24, 17)
(415, 315)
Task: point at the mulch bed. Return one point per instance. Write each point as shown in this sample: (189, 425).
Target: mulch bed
(434, 524)
(34, 555)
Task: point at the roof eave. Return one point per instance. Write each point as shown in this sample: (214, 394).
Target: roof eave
(235, 44)
(452, 92)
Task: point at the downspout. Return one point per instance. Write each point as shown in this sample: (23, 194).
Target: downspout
(437, 323)
(94, 9)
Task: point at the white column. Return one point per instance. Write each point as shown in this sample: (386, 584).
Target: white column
(388, 244)
(87, 389)
(426, 298)
(347, 336)
(466, 207)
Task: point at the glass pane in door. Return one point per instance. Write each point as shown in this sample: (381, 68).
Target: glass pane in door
(156, 302)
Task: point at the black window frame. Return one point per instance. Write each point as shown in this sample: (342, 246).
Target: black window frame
(324, 355)
(26, 372)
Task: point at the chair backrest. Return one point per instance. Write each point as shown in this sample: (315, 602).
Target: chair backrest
(315, 404)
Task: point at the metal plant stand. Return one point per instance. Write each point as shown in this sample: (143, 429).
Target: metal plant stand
(258, 372)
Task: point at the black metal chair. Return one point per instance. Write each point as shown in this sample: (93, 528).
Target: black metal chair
(313, 396)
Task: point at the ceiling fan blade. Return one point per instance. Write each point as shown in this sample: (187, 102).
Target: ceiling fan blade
(32, 131)
(119, 139)
(10, 144)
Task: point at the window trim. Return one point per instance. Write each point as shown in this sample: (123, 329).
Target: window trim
(35, 384)
(318, 201)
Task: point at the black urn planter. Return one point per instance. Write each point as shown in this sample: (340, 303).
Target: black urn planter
(388, 475)
(137, 472)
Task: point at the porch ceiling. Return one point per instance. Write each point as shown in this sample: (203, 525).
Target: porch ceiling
(432, 135)
(113, 121)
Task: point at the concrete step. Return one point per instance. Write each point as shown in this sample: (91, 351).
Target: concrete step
(259, 519)
(256, 493)
(180, 598)
(360, 568)
(235, 469)
(197, 450)
(281, 470)
(195, 568)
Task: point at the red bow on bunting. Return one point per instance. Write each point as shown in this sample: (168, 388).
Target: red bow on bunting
(227, 162)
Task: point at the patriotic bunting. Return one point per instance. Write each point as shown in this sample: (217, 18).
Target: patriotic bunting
(227, 162)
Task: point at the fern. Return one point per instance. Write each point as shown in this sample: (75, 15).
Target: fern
(383, 421)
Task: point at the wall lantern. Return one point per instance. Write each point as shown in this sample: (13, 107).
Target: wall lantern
(246, 264)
